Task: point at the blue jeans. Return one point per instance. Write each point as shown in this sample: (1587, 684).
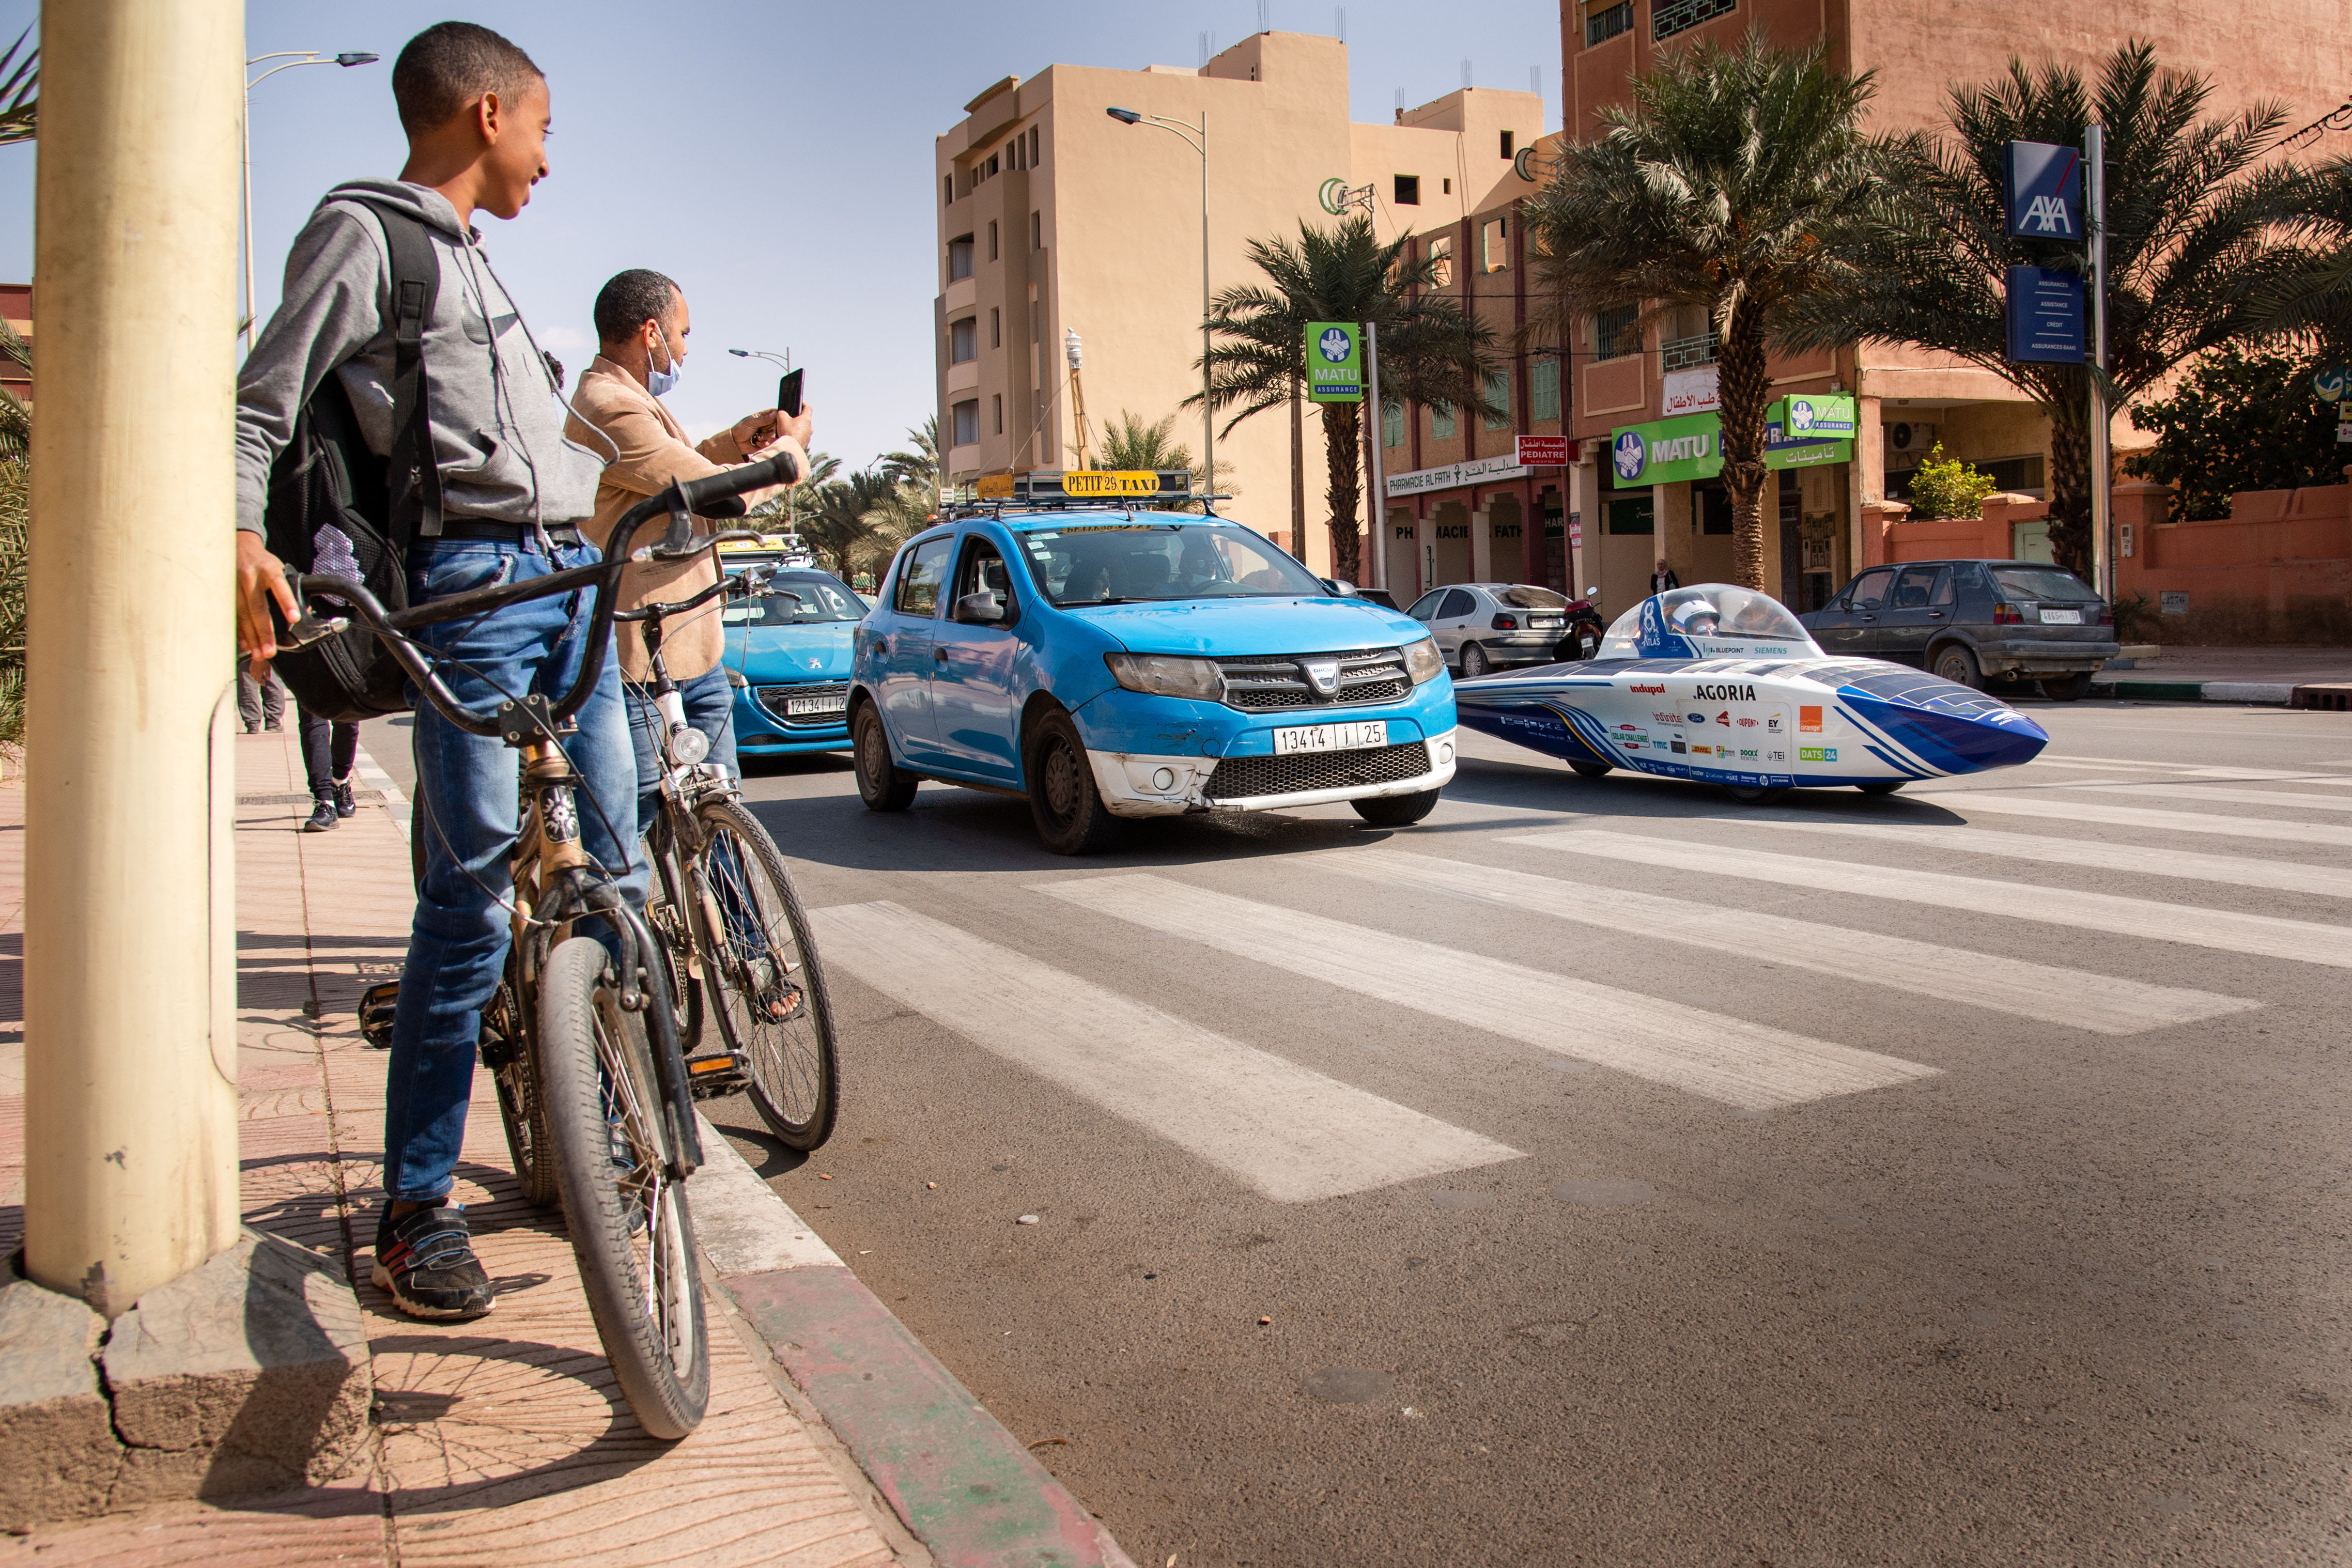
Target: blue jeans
(467, 795)
(709, 707)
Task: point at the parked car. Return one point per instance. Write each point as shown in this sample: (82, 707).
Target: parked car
(1483, 626)
(1978, 624)
(789, 653)
(1107, 664)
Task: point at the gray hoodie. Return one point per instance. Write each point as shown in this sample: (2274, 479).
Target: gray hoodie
(497, 415)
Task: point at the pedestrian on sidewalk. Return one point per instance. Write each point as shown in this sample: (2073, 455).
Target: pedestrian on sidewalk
(260, 699)
(511, 494)
(641, 330)
(330, 751)
(1663, 580)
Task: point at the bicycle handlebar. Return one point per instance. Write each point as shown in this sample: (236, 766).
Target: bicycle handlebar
(716, 495)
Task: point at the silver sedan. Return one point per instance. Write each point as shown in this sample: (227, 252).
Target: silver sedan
(1483, 626)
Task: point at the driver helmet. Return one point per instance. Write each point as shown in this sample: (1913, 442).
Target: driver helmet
(1696, 617)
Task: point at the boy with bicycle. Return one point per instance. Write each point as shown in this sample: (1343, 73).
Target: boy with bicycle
(513, 494)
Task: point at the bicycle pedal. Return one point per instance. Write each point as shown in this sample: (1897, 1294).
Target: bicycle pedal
(378, 1003)
(707, 1077)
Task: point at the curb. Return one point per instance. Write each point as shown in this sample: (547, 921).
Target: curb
(957, 1479)
(2277, 694)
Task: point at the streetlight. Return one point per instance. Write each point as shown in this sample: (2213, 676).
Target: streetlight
(1197, 139)
(244, 133)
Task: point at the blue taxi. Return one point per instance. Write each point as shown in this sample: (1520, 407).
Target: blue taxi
(789, 653)
(1108, 663)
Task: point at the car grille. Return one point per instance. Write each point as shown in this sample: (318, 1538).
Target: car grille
(1245, 778)
(771, 703)
(1366, 675)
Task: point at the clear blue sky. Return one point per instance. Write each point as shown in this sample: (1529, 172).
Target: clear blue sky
(773, 158)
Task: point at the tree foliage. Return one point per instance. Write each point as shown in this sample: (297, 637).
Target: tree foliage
(2239, 421)
(20, 87)
(1430, 350)
(1948, 487)
(1723, 187)
(2198, 233)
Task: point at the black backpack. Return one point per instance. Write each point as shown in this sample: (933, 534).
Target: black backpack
(336, 508)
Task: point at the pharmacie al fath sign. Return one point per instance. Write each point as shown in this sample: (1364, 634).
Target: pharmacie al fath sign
(1799, 432)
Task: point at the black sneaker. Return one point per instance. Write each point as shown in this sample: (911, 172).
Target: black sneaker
(344, 804)
(425, 1259)
(322, 816)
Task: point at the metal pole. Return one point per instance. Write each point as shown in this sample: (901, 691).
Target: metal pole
(2094, 146)
(1379, 510)
(130, 1127)
(1208, 412)
(245, 166)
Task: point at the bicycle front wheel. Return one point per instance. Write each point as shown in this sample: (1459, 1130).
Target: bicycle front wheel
(760, 970)
(522, 1105)
(630, 1228)
(666, 916)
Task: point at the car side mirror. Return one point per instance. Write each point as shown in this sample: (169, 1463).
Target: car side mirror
(981, 609)
(1339, 589)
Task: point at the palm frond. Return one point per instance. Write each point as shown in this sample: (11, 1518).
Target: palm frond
(20, 87)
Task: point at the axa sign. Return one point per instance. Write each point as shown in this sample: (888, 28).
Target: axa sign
(2042, 187)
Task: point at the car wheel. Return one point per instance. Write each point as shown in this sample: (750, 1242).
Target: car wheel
(1882, 786)
(1474, 661)
(880, 782)
(1756, 794)
(1593, 769)
(2067, 688)
(1069, 809)
(1396, 810)
(1958, 665)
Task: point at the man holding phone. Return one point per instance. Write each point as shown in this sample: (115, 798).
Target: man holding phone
(642, 325)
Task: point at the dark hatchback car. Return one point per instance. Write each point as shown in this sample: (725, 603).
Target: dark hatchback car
(1979, 622)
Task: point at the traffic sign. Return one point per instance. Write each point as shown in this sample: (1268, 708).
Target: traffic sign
(1335, 362)
(2329, 382)
(1544, 451)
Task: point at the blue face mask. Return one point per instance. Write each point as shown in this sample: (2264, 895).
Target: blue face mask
(659, 382)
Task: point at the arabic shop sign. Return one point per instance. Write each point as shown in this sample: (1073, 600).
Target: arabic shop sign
(1798, 433)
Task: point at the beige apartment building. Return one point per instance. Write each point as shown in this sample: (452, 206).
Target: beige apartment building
(1055, 218)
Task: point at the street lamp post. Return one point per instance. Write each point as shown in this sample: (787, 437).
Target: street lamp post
(1196, 137)
(245, 134)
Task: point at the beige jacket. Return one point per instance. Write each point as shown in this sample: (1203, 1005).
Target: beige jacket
(653, 451)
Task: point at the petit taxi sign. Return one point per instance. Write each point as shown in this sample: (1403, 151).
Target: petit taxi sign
(1104, 482)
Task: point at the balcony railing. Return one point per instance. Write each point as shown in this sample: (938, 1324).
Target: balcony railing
(1686, 353)
(1672, 17)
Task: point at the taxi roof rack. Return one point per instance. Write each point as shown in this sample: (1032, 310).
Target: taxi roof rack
(1056, 489)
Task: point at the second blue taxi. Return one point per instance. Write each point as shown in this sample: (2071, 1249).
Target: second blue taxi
(789, 653)
(1109, 661)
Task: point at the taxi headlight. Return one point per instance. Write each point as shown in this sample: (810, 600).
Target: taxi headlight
(1165, 675)
(1423, 662)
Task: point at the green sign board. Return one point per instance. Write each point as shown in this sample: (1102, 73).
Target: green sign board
(1335, 362)
(1815, 418)
(1669, 450)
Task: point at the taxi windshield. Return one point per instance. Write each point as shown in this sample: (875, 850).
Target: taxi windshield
(819, 597)
(1078, 564)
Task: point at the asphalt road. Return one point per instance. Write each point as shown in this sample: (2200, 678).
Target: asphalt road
(1624, 1176)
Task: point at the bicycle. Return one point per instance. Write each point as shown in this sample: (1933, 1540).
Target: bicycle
(593, 1085)
(728, 915)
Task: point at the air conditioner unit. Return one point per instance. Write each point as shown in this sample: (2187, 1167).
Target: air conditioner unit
(1911, 439)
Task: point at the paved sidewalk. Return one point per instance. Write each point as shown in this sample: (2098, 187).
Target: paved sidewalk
(504, 1441)
(2227, 675)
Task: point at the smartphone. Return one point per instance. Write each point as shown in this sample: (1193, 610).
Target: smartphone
(788, 394)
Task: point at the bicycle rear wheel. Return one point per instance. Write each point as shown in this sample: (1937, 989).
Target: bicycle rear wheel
(630, 1228)
(665, 915)
(765, 985)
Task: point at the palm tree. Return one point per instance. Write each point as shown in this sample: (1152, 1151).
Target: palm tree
(1130, 443)
(1714, 190)
(2196, 239)
(20, 87)
(919, 465)
(837, 523)
(2313, 302)
(1430, 350)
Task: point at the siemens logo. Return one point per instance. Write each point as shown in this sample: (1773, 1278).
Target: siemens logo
(1725, 694)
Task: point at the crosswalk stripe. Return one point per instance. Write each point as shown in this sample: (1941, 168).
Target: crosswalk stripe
(2075, 997)
(2232, 871)
(2282, 798)
(2231, 932)
(2184, 769)
(2011, 803)
(1294, 1134)
(1746, 1064)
